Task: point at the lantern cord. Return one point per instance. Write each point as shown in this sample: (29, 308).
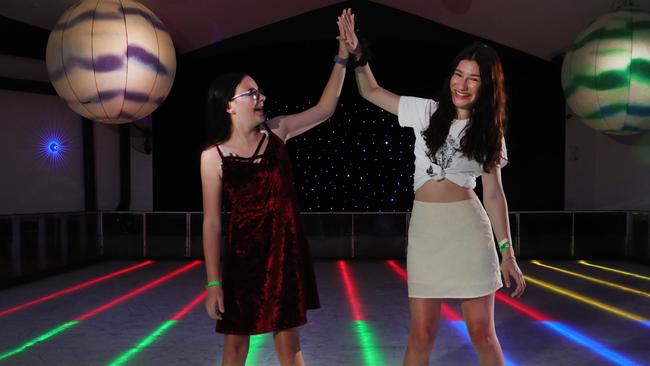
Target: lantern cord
(621, 4)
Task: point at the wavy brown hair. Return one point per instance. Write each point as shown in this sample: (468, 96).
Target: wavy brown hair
(488, 117)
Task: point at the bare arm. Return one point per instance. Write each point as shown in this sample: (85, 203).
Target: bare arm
(366, 83)
(497, 209)
(372, 92)
(496, 206)
(293, 125)
(212, 191)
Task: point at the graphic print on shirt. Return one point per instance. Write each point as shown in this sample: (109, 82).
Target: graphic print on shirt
(443, 157)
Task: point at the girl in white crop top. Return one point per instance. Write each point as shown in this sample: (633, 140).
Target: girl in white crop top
(451, 250)
(448, 162)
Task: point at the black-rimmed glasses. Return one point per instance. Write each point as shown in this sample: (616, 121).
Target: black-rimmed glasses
(253, 93)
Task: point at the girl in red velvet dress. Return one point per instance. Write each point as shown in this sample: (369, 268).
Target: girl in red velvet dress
(267, 281)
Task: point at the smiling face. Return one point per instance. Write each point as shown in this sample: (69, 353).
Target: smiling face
(248, 102)
(465, 85)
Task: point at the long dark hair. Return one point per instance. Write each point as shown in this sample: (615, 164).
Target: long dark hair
(487, 124)
(218, 125)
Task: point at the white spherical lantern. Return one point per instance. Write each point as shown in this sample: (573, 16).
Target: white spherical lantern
(606, 73)
(112, 61)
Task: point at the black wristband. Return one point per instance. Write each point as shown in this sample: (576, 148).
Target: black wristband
(363, 58)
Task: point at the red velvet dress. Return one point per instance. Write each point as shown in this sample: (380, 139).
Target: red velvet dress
(268, 277)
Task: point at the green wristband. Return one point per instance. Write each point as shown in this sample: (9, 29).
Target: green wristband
(213, 283)
(504, 244)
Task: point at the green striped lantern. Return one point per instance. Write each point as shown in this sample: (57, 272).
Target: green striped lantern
(606, 73)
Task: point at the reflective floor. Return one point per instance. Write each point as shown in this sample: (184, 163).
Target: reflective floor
(151, 313)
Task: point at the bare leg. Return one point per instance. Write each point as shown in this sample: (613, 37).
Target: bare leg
(287, 347)
(235, 350)
(425, 317)
(479, 317)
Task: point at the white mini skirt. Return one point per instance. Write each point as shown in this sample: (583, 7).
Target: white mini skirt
(451, 251)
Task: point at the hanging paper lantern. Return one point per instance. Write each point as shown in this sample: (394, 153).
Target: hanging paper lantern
(606, 73)
(111, 60)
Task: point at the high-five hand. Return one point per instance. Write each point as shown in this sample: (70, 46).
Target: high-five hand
(346, 31)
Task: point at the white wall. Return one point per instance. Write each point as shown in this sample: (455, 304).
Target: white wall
(604, 173)
(141, 176)
(29, 183)
(107, 168)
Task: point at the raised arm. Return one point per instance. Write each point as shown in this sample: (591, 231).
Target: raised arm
(211, 185)
(293, 125)
(496, 207)
(366, 83)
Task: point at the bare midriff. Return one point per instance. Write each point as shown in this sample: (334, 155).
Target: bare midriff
(443, 191)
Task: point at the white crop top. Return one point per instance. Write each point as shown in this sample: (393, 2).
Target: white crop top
(448, 162)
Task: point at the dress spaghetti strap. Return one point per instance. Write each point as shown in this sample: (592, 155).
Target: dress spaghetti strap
(257, 150)
(219, 150)
(259, 146)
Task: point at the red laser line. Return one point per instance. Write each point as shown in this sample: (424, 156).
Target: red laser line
(522, 308)
(73, 289)
(449, 313)
(351, 291)
(189, 306)
(137, 291)
(400, 271)
(446, 310)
